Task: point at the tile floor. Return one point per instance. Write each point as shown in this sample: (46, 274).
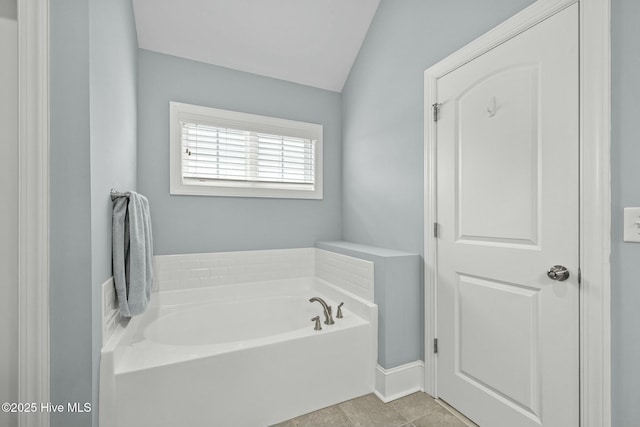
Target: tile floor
(415, 410)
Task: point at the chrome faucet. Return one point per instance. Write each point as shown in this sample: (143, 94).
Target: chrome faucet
(328, 320)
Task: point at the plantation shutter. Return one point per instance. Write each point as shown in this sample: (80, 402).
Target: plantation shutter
(211, 153)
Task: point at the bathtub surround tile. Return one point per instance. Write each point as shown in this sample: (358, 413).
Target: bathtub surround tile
(174, 272)
(110, 312)
(186, 271)
(352, 274)
(369, 411)
(208, 281)
(198, 273)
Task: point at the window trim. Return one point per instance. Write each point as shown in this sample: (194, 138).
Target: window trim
(226, 118)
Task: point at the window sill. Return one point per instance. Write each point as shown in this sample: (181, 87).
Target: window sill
(244, 190)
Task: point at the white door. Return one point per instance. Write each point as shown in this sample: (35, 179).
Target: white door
(507, 197)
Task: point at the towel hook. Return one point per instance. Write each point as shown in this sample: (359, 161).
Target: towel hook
(115, 193)
(491, 108)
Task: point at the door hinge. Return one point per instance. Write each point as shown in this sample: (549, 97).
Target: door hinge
(436, 111)
(579, 276)
(435, 345)
(435, 229)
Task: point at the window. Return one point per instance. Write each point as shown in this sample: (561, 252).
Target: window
(226, 153)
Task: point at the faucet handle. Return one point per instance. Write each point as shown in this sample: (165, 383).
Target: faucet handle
(318, 327)
(339, 314)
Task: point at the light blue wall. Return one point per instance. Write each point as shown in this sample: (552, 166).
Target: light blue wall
(382, 137)
(70, 220)
(382, 109)
(93, 148)
(113, 73)
(187, 224)
(113, 87)
(625, 192)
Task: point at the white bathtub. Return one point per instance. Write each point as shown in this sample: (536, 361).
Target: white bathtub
(237, 355)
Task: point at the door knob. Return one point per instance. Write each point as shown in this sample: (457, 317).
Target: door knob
(558, 272)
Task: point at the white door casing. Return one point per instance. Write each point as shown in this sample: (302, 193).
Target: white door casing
(507, 192)
(33, 208)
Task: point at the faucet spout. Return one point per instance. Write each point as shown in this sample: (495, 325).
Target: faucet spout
(328, 319)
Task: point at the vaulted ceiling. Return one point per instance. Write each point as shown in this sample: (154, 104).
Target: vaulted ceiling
(311, 42)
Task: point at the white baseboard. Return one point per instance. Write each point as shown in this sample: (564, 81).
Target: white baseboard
(394, 383)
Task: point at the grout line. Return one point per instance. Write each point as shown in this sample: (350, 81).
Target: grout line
(392, 405)
(351, 422)
(455, 413)
(344, 412)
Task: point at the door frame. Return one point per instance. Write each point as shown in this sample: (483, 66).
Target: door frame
(595, 194)
(33, 208)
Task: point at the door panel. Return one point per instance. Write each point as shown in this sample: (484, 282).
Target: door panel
(498, 203)
(507, 196)
(512, 373)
